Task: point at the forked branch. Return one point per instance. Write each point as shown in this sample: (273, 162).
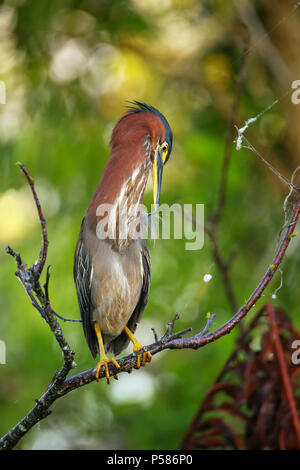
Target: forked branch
(60, 385)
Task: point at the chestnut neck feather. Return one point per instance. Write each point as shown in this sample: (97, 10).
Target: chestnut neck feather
(128, 151)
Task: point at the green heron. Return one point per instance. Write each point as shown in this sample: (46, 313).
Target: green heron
(112, 267)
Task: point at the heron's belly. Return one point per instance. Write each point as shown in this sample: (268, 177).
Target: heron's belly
(117, 295)
(114, 309)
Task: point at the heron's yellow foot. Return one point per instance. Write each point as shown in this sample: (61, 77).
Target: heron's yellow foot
(144, 356)
(104, 362)
(104, 359)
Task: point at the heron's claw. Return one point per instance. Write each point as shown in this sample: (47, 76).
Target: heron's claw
(104, 362)
(143, 357)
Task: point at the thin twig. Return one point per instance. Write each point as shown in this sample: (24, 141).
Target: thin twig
(154, 334)
(46, 289)
(170, 328)
(39, 265)
(287, 199)
(72, 320)
(46, 285)
(276, 172)
(16, 256)
(207, 326)
(274, 295)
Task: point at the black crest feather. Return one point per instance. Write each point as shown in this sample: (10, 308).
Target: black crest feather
(136, 107)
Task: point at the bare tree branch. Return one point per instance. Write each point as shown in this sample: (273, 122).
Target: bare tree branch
(39, 265)
(196, 342)
(60, 384)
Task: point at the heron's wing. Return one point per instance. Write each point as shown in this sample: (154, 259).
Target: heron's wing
(83, 277)
(122, 340)
(143, 300)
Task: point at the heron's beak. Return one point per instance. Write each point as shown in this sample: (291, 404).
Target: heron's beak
(157, 171)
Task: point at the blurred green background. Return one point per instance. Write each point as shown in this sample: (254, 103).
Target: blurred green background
(69, 67)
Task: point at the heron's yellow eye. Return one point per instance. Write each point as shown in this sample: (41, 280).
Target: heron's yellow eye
(164, 150)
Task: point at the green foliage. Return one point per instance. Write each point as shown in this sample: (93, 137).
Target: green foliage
(73, 65)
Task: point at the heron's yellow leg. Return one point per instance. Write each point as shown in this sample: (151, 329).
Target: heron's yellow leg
(104, 360)
(136, 347)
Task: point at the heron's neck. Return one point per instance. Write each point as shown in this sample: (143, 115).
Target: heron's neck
(121, 219)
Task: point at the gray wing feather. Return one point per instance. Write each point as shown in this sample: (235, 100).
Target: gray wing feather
(82, 277)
